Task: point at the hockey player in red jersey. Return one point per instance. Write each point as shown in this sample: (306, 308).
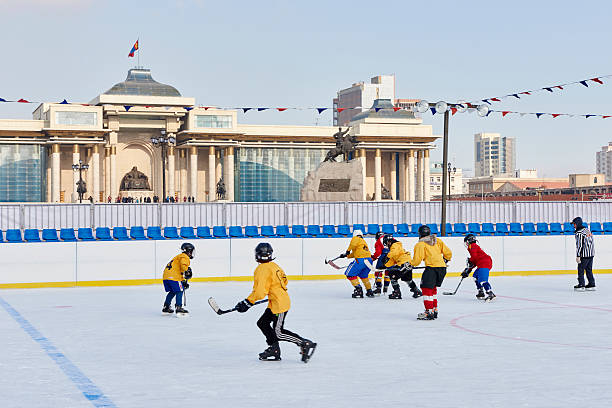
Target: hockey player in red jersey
(380, 256)
(482, 262)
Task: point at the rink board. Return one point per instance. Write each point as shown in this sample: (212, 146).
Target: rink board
(119, 263)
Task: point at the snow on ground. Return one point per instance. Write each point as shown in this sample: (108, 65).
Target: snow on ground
(539, 344)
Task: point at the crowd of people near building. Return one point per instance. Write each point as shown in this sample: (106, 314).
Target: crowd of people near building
(147, 200)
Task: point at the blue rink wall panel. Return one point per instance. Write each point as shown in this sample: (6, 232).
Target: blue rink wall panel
(102, 263)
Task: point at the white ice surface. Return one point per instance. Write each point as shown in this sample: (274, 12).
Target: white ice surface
(538, 345)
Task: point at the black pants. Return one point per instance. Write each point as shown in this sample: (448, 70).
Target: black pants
(586, 266)
(271, 325)
(433, 277)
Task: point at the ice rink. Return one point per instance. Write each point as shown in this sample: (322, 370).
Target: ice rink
(539, 344)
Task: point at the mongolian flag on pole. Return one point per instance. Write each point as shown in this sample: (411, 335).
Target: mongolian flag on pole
(134, 49)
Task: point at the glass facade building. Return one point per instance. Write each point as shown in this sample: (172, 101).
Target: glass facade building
(273, 174)
(22, 170)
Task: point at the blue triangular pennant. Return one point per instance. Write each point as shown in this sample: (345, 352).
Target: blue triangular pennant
(245, 110)
(516, 96)
(584, 83)
(261, 109)
(539, 114)
(64, 102)
(588, 116)
(433, 111)
(188, 108)
(128, 107)
(486, 101)
(377, 109)
(548, 89)
(321, 110)
(2, 100)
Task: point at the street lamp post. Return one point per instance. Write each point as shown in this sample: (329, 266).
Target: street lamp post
(451, 171)
(163, 142)
(81, 188)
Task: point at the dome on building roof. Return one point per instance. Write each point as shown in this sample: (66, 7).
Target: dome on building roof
(140, 83)
(385, 111)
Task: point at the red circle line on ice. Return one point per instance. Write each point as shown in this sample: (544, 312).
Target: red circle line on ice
(455, 323)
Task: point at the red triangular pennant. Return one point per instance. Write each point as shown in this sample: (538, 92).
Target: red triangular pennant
(504, 113)
(554, 115)
(606, 116)
(526, 93)
(559, 86)
(23, 101)
(495, 99)
(281, 109)
(341, 109)
(453, 111)
(396, 109)
(599, 81)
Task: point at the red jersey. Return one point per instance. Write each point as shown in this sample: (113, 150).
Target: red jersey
(478, 257)
(378, 248)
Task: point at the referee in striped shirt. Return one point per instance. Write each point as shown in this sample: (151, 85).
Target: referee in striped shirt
(585, 250)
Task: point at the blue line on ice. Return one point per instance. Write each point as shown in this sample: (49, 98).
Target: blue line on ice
(84, 384)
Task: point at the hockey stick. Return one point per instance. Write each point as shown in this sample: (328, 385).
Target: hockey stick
(213, 303)
(333, 265)
(327, 262)
(452, 293)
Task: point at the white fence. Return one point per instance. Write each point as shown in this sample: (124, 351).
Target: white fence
(57, 216)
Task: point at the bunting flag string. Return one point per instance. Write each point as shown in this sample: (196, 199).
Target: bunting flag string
(551, 89)
(538, 115)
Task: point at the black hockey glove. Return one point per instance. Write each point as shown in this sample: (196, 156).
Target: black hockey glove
(243, 306)
(188, 273)
(343, 255)
(470, 265)
(466, 273)
(185, 285)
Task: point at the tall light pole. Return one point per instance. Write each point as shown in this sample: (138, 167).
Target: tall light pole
(163, 142)
(443, 107)
(81, 189)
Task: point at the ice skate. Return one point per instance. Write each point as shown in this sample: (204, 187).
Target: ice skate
(369, 293)
(272, 353)
(396, 294)
(490, 296)
(167, 309)
(180, 312)
(480, 295)
(590, 287)
(377, 290)
(579, 288)
(385, 288)
(427, 315)
(358, 292)
(307, 348)
(435, 313)
(416, 292)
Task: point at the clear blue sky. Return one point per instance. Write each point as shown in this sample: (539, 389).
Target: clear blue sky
(284, 53)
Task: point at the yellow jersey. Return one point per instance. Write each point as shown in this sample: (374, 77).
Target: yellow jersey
(358, 248)
(431, 250)
(397, 255)
(270, 280)
(175, 268)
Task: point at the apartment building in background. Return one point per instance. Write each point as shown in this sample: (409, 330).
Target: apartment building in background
(603, 161)
(494, 155)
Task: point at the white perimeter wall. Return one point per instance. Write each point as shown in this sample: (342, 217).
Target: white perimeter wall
(75, 262)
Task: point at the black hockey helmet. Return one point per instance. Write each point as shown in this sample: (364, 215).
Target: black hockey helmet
(388, 240)
(469, 239)
(188, 249)
(424, 231)
(263, 252)
(379, 234)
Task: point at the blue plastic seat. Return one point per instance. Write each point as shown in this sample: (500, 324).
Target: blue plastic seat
(359, 227)
(137, 232)
(329, 230)
(373, 229)
(516, 228)
(414, 230)
(1, 236)
(203, 232)
(501, 228)
(568, 228)
(219, 231)
(187, 233)
(235, 231)
(171, 233)
(313, 230)
(434, 228)
(488, 229)
(298, 230)
(251, 231)
(120, 234)
(103, 234)
(31, 235)
(282, 231)
(267, 231)
(403, 229)
(460, 228)
(388, 229)
(529, 228)
(344, 230)
(542, 228)
(154, 233)
(50, 235)
(555, 228)
(474, 228)
(449, 229)
(596, 228)
(607, 227)
(67, 234)
(85, 234)
(13, 235)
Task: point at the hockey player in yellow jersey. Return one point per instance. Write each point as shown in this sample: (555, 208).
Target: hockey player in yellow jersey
(398, 267)
(436, 255)
(176, 274)
(270, 280)
(361, 265)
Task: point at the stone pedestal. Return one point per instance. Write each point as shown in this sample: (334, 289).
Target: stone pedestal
(331, 181)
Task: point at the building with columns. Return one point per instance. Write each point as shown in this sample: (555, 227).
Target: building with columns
(112, 134)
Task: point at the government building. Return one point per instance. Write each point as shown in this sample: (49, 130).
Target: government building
(112, 135)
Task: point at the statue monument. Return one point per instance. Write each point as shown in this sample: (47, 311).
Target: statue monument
(336, 181)
(135, 184)
(220, 190)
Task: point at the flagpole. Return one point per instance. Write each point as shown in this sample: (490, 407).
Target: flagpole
(138, 40)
